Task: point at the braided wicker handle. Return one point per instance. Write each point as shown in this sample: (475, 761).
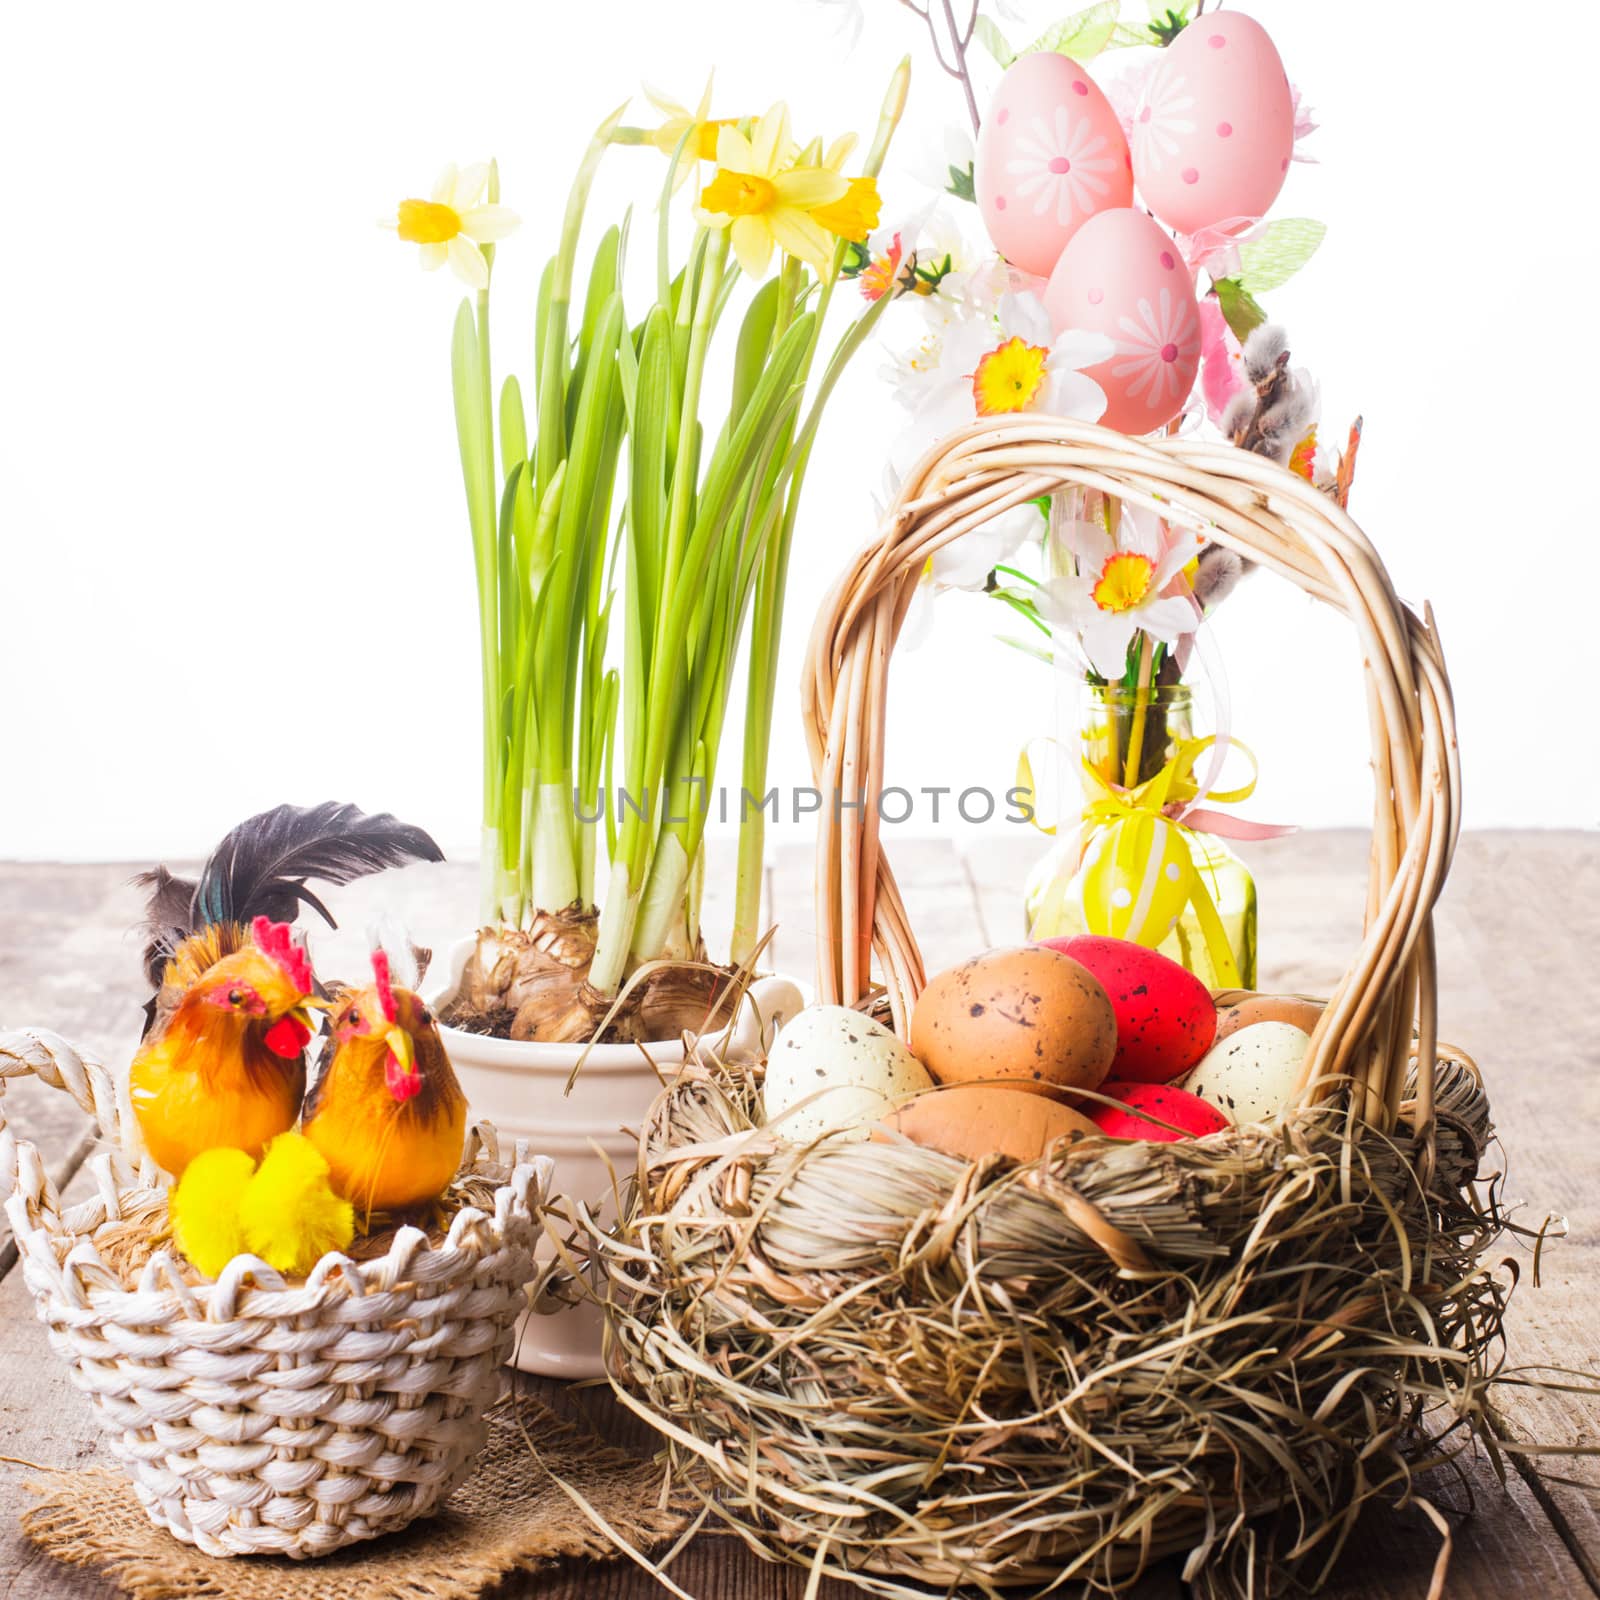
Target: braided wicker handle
(1384, 1009)
(38, 1053)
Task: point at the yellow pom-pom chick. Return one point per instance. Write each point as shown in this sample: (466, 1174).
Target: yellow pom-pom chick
(290, 1215)
(205, 1208)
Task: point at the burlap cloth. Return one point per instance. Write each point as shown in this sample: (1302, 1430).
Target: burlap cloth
(511, 1516)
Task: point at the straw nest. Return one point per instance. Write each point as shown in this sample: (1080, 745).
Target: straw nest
(903, 1368)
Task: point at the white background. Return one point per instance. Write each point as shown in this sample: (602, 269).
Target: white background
(234, 565)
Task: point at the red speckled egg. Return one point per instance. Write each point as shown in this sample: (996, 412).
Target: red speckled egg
(1123, 277)
(1050, 155)
(1166, 1018)
(1214, 134)
(1196, 1117)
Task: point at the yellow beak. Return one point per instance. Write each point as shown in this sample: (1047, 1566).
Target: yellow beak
(302, 1012)
(399, 1043)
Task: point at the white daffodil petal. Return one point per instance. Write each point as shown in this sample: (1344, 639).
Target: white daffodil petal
(1106, 637)
(667, 108)
(1180, 552)
(470, 183)
(772, 135)
(1065, 601)
(432, 256)
(444, 186)
(752, 245)
(800, 236)
(733, 150)
(1089, 542)
(1070, 394)
(485, 224)
(839, 152)
(1024, 315)
(1168, 619)
(806, 187)
(466, 260)
(1140, 533)
(1078, 348)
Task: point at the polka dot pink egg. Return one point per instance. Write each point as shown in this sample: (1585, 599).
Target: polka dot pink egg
(1123, 277)
(1050, 155)
(1214, 131)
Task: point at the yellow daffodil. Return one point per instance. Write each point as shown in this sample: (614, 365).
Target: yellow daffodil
(703, 131)
(451, 225)
(855, 215)
(763, 199)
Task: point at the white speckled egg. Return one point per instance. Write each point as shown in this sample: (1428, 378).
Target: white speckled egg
(1214, 135)
(848, 1068)
(1051, 154)
(1253, 1073)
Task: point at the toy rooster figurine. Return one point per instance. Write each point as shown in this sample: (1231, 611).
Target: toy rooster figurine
(223, 1057)
(387, 1113)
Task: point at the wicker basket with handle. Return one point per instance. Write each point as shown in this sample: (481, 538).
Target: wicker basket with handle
(257, 1416)
(889, 1364)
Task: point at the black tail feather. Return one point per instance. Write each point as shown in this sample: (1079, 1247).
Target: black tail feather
(262, 867)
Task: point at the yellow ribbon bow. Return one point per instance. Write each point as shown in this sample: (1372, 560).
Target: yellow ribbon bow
(1138, 872)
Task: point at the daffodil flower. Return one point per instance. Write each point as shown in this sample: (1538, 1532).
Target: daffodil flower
(764, 200)
(1126, 581)
(702, 130)
(1001, 363)
(451, 226)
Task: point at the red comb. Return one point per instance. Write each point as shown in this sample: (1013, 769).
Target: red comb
(274, 941)
(380, 973)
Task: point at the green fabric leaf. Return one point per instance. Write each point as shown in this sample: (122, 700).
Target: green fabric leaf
(1283, 248)
(1081, 36)
(992, 40)
(1239, 310)
(961, 183)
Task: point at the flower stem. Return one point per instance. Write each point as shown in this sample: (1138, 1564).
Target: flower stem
(1141, 703)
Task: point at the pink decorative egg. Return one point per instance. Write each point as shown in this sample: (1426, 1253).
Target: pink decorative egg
(1123, 277)
(1050, 155)
(1196, 1117)
(1214, 131)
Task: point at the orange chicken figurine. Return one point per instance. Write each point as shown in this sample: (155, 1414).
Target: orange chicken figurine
(386, 1113)
(224, 1062)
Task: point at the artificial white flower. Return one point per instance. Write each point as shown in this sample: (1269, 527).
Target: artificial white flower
(1120, 587)
(935, 160)
(451, 226)
(1007, 363)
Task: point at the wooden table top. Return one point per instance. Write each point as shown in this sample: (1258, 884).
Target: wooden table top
(1519, 936)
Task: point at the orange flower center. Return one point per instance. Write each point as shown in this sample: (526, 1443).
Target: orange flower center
(1124, 581)
(703, 142)
(738, 194)
(1009, 378)
(428, 222)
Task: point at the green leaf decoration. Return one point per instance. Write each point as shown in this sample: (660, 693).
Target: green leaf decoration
(992, 40)
(1168, 21)
(1283, 248)
(1240, 312)
(1083, 35)
(961, 183)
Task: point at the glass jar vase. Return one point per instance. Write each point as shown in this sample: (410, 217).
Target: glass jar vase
(1127, 736)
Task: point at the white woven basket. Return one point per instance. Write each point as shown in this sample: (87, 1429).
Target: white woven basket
(257, 1417)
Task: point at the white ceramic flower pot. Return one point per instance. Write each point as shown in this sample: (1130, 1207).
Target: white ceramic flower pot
(522, 1089)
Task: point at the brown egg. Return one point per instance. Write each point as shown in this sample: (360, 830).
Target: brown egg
(1029, 1014)
(972, 1120)
(1252, 1008)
